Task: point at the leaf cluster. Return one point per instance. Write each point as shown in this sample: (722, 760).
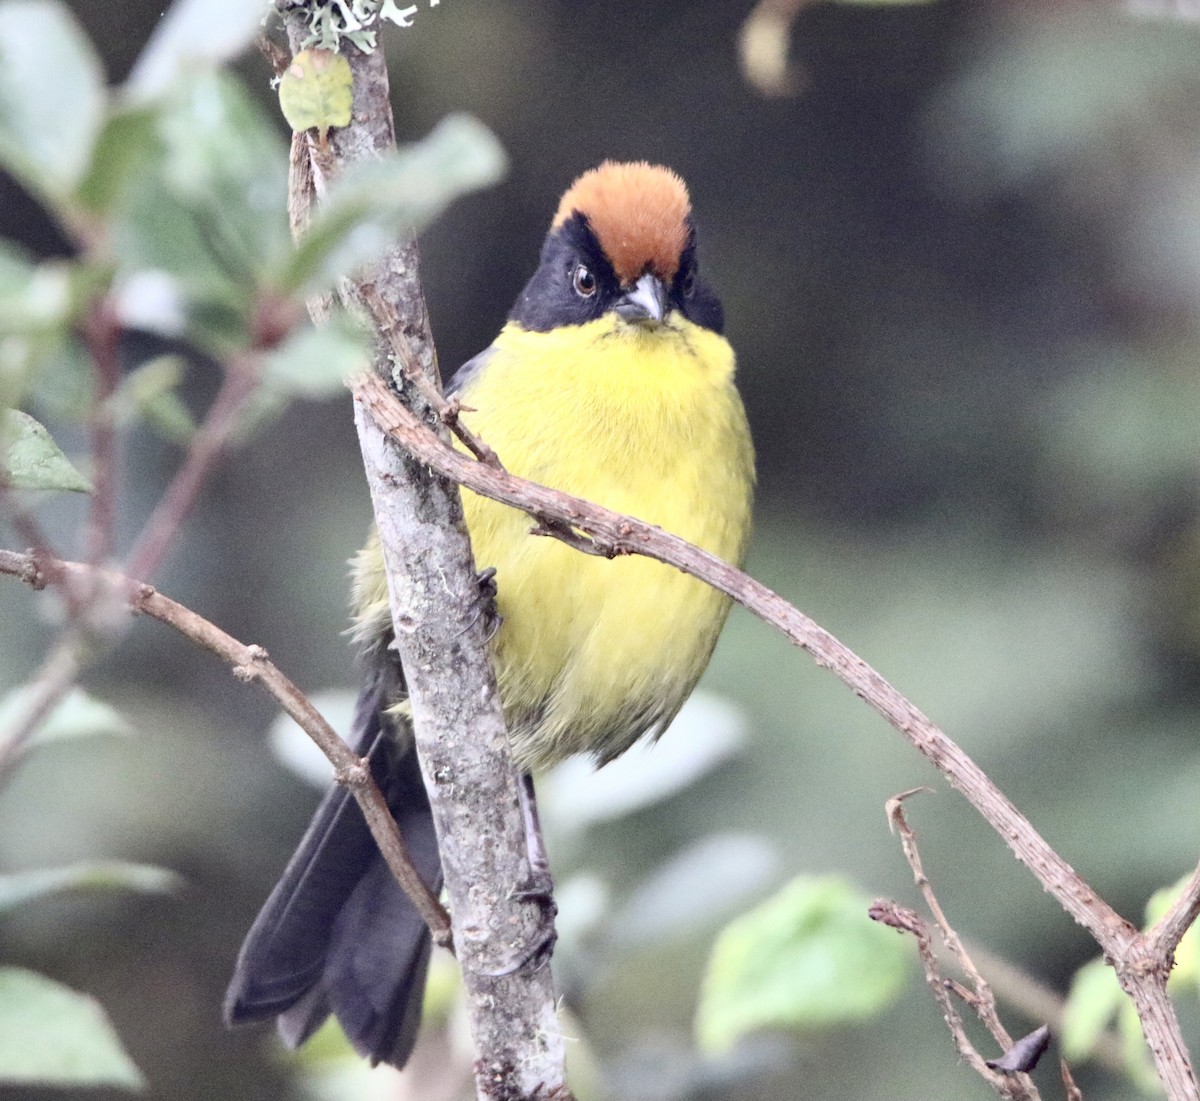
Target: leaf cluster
(172, 193)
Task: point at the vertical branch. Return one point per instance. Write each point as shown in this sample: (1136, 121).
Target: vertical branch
(102, 336)
(441, 638)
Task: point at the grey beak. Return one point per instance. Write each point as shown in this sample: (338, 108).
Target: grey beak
(645, 301)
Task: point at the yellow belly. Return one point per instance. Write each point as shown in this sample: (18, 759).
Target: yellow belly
(594, 652)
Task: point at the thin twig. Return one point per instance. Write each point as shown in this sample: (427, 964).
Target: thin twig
(448, 409)
(981, 998)
(613, 534)
(206, 449)
(48, 686)
(889, 913)
(985, 1002)
(251, 664)
(1037, 1002)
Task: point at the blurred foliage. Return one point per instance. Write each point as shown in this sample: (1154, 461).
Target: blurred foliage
(960, 272)
(50, 1035)
(808, 956)
(172, 193)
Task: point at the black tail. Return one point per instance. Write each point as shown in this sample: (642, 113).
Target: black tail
(338, 935)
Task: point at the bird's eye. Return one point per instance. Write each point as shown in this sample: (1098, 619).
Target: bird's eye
(583, 281)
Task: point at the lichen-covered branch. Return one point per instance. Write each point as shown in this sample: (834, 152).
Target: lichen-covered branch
(441, 637)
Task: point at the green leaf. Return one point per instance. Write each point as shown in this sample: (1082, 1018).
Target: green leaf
(1091, 1006)
(150, 393)
(52, 96)
(314, 362)
(51, 1035)
(807, 957)
(30, 459)
(112, 875)
(211, 211)
(194, 35)
(374, 202)
(128, 147)
(316, 91)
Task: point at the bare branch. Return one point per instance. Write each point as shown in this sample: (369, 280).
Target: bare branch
(979, 995)
(205, 451)
(984, 1002)
(249, 663)
(889, 913)
(101, 333)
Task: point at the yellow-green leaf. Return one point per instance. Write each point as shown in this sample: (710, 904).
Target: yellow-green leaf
(807, 957)
(316, 91)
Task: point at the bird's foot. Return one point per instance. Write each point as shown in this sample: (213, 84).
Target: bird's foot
(486, 580)
(539, 890)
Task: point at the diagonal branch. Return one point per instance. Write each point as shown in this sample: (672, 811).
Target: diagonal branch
(249, 663)
(612, 534)
(1141, 971)
(1168, 931)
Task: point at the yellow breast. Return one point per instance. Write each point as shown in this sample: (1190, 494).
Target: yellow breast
(594, 652)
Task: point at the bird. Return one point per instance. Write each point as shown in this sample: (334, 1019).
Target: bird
(611, 380)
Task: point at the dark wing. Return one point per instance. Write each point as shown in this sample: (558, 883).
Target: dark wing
(337, 934)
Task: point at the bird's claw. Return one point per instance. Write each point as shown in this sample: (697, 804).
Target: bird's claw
(486, 581)
(540, 891)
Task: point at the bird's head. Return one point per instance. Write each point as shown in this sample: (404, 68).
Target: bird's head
(622, 245)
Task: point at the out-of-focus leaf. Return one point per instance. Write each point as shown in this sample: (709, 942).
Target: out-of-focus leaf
(152, 301)
(1060, 87)
(210, 210)
(314, 362)
(298, 751)
(316, 90)
(150, 393)
(114, 875)
(1092, 1004)
(707, 732)
(78, 715)
(58, 368)
(226, 159)
(127, 147)
(194, 34)
(52, 96)
(30, 459)
(807, 957)
(375, 201)
(705, 882)
(52, 1035)
(34, 298)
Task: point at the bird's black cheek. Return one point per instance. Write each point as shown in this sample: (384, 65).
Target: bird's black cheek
(703, 308)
